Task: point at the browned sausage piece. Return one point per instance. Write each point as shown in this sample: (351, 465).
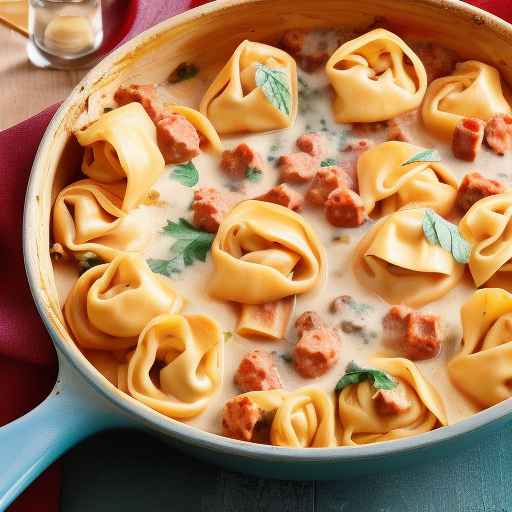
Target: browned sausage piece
(325, 181)
(417, 334)
(240, 418)
(315, 144)
(390, 401)
(292, 41)
(474, 187)
(209, 208)
(467, 138)
(285, 196)
(316, 352)
(235, 163)
(307, 321)
(257, 372)
(295, 41)
(178, 139)
(438, 60)
(344, 208)
(498, 133)
(145, 95)
(400, 126)
(297, 167)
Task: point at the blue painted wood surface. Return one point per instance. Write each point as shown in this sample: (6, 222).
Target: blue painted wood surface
(133, 472)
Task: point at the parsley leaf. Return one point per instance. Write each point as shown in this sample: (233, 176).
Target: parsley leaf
(354, 374)
(328, 162)
(274, 84)
(428, 155)
(446, 235)
(87, 260)
(186, 174)
(253, 174)
(184, 71)
(227, 336)
(191, 244)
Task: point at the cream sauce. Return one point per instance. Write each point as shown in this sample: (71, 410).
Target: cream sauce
(314, 115)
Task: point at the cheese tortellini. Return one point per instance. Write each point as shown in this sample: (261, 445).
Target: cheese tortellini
(483, 368)
(375, 77)
(486, 226)
(362, 423)
(87, 217)
(189, 348)
(110, 304)
(305, 418)
(264, 252)
(395, 260)
(121, 145)
(388, 185)
(472, 90)
(234, 102)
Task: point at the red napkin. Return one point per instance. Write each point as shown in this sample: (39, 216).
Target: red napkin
(27, 358)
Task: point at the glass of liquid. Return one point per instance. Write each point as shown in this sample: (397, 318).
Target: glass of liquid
(64, 34)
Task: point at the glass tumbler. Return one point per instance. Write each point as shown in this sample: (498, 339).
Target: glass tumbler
(64, 34)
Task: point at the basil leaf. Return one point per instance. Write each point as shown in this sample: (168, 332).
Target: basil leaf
(328, 162)
(439, 231)
(253, 174)
(186, 174)
(354, 374)
(428, 155)
(274, 84)
(190, 245)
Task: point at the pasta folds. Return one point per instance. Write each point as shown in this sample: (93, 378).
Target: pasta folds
(395, 260)
(472, 90)
(201, 123)
(110, 304)
(486, 226)
(483, 368)
(304, 419)
(375, 77)
(87, 217)
(188, 349)
(121, 144)
(235, 103)
(385, 183)
(363, 424)
(264, 252)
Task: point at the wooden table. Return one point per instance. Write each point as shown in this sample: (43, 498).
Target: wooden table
(25, 89)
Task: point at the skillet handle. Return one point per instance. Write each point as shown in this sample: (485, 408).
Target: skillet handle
(72, 412)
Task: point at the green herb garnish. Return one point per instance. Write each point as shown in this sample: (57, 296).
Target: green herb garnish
(184, 71)
(446, 235)
(328, 162)
(358, 307)
(191, 244)
(354, 374)
(428, 155)
(186, 174)
(87, 260)
(227, 336)
(253, 174)
(274, 84)
(287, 358)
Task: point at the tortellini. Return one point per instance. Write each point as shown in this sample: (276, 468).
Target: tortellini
(120, 145)
(235, 103)
(110, 304)
(87, 217)
(375, 77)
(306, 418)
(483, 368)
(472, 90)
(395, 260)
(486, 226)
(388, 185)
(264, 252)
(362, 423)
(189, 348)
